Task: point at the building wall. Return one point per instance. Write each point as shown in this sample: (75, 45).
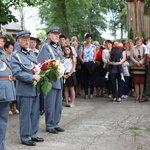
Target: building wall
(137, 19)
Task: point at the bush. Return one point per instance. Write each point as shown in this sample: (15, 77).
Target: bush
(131, 34)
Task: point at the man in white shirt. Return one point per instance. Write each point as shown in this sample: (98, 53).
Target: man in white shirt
(33, 44)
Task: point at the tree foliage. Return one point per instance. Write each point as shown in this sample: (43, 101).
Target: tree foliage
(117, 11)
(143, 35)
(74, 17)
(5, 14)
(41, 34)
(87, 16)
(131, 34)
(147, 4)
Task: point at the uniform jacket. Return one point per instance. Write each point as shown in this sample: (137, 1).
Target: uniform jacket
(22, 63)
(47, 52)
(7, 89)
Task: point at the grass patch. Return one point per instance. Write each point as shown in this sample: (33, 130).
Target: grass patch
(148, 129)
(136, 133)
(135, 130)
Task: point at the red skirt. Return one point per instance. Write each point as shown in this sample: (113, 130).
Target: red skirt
(138, 74)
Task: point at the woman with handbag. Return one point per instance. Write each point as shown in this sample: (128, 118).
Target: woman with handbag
(137, 57)
(87, 57)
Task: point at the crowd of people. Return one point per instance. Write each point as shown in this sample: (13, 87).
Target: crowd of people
(118, 69)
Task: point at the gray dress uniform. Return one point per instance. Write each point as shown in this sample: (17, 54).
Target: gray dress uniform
(7, 94)
(53, 100)
(22, 62)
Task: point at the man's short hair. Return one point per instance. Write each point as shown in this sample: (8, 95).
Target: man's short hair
(33, 39)
(63, 36)
(109, 41)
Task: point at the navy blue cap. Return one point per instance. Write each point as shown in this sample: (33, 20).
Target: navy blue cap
(53, 29)
(0, 31)
(23, 33)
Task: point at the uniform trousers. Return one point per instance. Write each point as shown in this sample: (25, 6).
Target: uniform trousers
(29, 117)
(53, 108)
(4, 108)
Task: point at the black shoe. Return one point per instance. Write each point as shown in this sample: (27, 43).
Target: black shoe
(38, 139)
(41, 113)
(28, 143)
(53, 131)
(67, 105)
(59, 129)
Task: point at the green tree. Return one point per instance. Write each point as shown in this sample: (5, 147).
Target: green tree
(41, 34)
(5, 14)
(131, 34)
(74, 17)
(143, 35)
(147, 5)
(117, 12)
(9, 37)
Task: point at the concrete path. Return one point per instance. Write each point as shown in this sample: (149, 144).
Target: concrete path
(97, 124)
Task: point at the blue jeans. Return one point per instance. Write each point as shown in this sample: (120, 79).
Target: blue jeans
(116, 93)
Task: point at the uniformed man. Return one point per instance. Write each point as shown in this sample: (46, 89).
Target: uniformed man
(53, 100)
(7, 92)
(22, 62)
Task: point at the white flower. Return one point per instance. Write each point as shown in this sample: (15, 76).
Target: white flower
(60, 69)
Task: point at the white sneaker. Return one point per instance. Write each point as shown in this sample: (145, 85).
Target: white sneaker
(10, 113)
(122, 78)
(106, 77)
(16, 111)
(109, 96)
(125, 96)
(122, 96)
(71, 105)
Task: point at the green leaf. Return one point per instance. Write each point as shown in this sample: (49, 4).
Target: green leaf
(34, 82)
(38, 86)
(42, 74)
(46, 87)
(52, 76)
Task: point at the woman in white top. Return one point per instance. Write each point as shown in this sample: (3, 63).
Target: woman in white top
(70, 80)
(108, 44)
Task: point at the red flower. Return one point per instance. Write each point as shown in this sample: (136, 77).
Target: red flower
(51, 63)
(43, 67)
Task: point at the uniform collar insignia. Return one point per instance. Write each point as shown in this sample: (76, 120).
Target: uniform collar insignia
(54, 45)
(24, 51)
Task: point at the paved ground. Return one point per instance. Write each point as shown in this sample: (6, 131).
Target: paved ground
(97, 124)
